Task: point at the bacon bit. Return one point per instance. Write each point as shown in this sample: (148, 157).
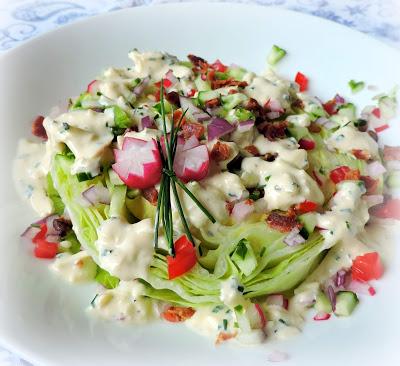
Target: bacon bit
(376, 112)
(192, 128)
(233, 91)
(212, 103)
(177, 116)
(298, 103)
(37, 128)
(391, 153)
(215, 84)
(381, 128)
(273, 130)
(317, 178)
(314, 128)
(151, 195)
(229, 207)
(176, 314)
(223, 337)
(173, 98)
(361, 154)
(370, 184)
(197, 61)
(283, 222)
(270, 157)
(252, 105)
(251, 149)
(220, 151)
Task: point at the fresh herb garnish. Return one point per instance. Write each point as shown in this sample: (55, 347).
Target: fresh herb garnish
(225, 323)
(169, 181)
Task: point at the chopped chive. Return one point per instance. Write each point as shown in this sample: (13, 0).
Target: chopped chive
(356, 86)
(225, 323)
(276, 54)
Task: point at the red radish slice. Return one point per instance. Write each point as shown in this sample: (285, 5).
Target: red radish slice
(97, 194)
(191, 164)
(93, 87)
(322, 316)
(190, 143)
(242, 210)
(138, 164)
(381, 128)
(263, 319)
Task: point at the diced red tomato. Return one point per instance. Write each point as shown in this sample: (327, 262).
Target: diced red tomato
(388, 210)
(191, 93)
(306, 144)
(361, 154)
(306, 206)
(367, 267)
(184, 260)
(330, 107)
(344, 173)
(302, 81)
(219, 66)
(166, 83)
(381, 128)
(376, 112)
(176, 314)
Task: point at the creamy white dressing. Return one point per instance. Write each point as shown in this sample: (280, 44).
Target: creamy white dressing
(147, 134)
(125, 250)
(127, 303)
(284, 185)
(229, 184)
(348, 138)
(262, 90)
(75, 268)
(85, 132)
(233, 152)
(29, 173)
(301, 120)
(282, 324)
(230, 295)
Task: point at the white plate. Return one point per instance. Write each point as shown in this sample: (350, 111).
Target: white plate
(43, 319)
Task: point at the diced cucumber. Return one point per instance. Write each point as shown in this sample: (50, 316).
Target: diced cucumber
(244, 257)
(299, 132)
(237, 73)
(205, 96)
(232, 100)
(276, 54)
(141, 208)
(322, 303)
(393, 179)
(117, 205)
(309, 221)
(202, 85)
(346, 301)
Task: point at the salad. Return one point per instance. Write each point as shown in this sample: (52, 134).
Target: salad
(203, 193)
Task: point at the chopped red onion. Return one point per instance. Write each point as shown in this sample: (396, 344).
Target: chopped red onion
(242, 210)
(245, 126)
(321, 121)
(171, 77)
(218, 127)
(202, 116)
(322, 316)
(187, 104)
(146, 122)
(190, 143)
(294, 238)
(339, 99)
(332, 297)
(49, 223)
(273, 115)
(375, 169)
(97, 194)
(340, 278)
(139, 89)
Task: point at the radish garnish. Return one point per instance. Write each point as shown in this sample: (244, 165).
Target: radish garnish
(322, 316)
(93, 87)
(191, 163)
(138, 163)
(263, 319)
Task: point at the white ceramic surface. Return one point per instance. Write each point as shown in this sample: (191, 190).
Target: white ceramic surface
(43, 319)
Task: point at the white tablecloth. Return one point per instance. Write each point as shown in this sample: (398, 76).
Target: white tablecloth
(21, 20)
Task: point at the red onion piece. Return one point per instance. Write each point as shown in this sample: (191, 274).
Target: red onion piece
(30, 232)
(294, 238)
(97, 194)
(375, 169)
(332, 297)
(245, 126)
(202, 116)
(219, 127)
(242, 210)
(188, 104)
(139, 89)
(374, 199)
(339, 99)
(146, 122)
(360, 288)
(321, 121)
(49, 223)
(340, 278)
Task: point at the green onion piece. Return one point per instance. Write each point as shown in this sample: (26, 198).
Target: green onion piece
(121, 118)
(356, 86)
(276, 54)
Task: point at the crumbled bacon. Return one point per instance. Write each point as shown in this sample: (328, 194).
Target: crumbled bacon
(215, 84)
(281, 221)
(192, 128)
(371, 184)
(220, 151)
(251, 149)
(314, 128)
(391, 153)
(151, 195)
(224, 336)
(212, 103)
(270, 156)
(252, 105)
(298, 103)
(177, 117)
(37, 128)
(361, 154)
(273, 130)
(173, 98)
(196, 60)
(176, 314)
